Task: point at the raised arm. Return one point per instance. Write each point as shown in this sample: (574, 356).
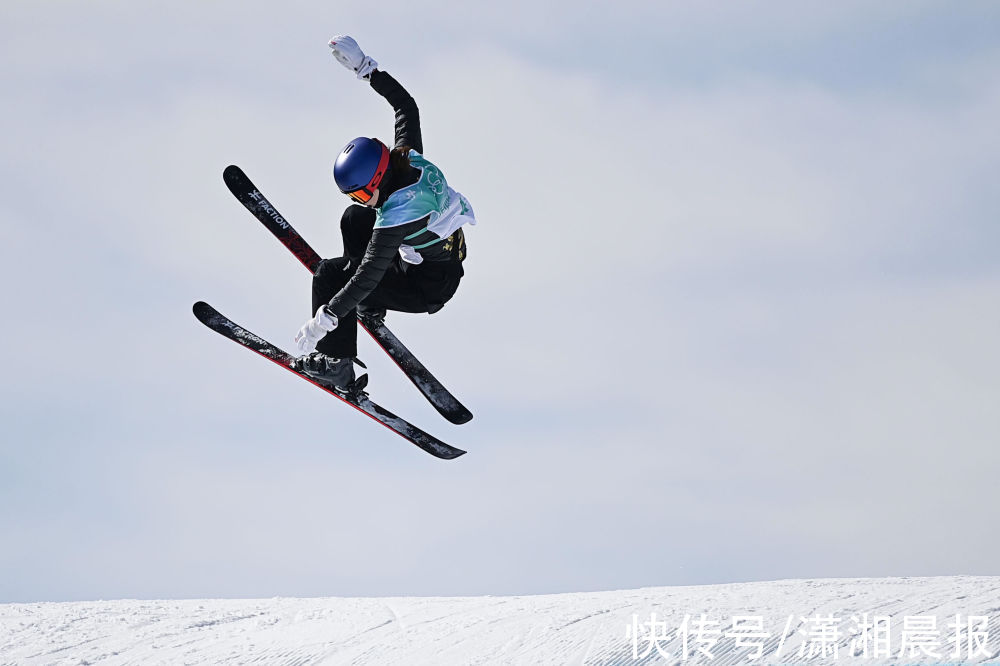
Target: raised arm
(349, 54)
(407, 114)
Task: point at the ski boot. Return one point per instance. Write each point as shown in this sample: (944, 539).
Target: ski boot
(333, 373)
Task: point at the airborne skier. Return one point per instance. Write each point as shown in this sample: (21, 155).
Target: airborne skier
(403, 239)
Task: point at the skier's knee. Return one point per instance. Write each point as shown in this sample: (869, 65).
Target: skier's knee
(356, 216)
(331, 270)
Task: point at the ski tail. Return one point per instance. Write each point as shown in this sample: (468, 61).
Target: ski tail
(437, 395)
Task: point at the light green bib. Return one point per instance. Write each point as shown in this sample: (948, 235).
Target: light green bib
(445, 209)
(427, 196)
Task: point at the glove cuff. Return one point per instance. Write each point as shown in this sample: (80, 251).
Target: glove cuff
(365, 69)
(326, 319)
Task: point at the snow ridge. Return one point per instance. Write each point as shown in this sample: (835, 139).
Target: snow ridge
(800, 621)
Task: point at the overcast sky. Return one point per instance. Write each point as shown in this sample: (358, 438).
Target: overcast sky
(730, 311)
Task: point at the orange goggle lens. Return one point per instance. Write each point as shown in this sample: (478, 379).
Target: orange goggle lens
(361, 196)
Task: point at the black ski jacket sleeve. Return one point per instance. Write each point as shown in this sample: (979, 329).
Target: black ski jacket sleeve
(381, 252)
(407, 115)
(385, 242)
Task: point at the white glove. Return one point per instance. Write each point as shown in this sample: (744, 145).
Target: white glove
(314, 330)
(349, 54)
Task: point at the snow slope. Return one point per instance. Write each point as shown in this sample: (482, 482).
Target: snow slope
(801, 618)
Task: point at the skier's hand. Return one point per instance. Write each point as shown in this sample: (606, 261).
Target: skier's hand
(349, 54)
(314, 330)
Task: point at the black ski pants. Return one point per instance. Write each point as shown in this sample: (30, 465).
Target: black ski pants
(423, 287)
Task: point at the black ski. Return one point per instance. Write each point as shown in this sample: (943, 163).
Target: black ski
(431, 388)
(209, 316)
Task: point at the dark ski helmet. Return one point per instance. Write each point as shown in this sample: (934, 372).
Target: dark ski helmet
(360, 168)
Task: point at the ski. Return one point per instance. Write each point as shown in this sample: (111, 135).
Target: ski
(432, 389)
(248, 195)
(440, 398)
(211, 317)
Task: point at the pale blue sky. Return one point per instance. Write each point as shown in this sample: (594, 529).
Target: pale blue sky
(730, 311)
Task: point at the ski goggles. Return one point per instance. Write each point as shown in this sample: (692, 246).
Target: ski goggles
(364, 194)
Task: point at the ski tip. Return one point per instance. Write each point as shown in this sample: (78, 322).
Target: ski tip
(232, 174)
(202, 310)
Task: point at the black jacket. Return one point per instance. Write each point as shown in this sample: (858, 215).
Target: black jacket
(383, 248)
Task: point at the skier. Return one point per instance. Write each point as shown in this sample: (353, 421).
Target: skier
(403, 239)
